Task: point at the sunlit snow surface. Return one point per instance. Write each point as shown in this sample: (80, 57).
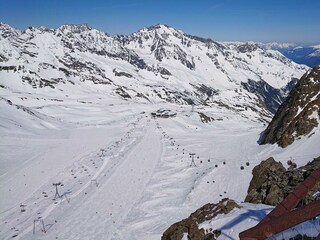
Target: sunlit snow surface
(125, 175)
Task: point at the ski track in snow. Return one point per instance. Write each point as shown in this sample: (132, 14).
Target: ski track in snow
(138, 162)
(138, 181)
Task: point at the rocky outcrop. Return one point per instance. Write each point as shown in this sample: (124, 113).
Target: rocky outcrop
(247, 47)
(190, 227)
(271, 182)
(299, 114)
(271, 97)
(204, 118)
(163, 113)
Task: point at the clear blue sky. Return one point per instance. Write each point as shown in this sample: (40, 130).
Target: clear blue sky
(237, 20)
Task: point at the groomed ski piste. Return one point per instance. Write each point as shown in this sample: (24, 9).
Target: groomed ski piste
(127, 175)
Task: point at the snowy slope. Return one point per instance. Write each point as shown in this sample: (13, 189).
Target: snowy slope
(141, 165)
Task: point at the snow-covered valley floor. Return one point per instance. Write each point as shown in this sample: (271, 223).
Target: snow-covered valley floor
(124, 174)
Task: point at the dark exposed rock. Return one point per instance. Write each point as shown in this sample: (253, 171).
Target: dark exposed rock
(7, 68)
(46, 83)
(122, 92)
(204, 118)
(163, 113)
(247, 47)
(66, 72)
(200, 39)
(299, 114)
(3, 58)
(161, 70)
(164, 71)
(141, 95)
(131, 57)
(120, 74)
(270, 96)
(189, 225)
(302, 237)
(271, 182)
(204, 92)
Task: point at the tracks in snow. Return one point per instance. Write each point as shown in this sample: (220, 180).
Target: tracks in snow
(122, 170)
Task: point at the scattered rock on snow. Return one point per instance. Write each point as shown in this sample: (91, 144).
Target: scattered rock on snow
(163, 113)
(204, 118)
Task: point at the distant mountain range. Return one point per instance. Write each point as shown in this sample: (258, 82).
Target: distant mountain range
(153, 65)
(302, 54)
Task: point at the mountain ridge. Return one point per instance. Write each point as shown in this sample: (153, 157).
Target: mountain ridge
(154, 64)
(299, 114)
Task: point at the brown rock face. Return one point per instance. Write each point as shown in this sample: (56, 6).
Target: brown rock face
(271, 182)
(299, 114)
(190, 224)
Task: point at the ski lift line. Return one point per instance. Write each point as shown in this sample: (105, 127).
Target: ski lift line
(296, 157)
(52, 206)
(13, 207)
(258, 162)
(40, 221)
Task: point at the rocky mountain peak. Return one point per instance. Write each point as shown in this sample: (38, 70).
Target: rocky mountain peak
(160, 29)
(163, 42)
(299, 115)
(157, 33)
(84, 38)
(159, 26)
(247, 47)
(37, 30)
(6, 31)
(74, 28)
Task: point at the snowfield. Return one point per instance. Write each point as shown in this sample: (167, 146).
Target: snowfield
(124, 174)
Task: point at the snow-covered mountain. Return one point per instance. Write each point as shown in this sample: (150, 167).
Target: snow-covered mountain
(278, 45)
(114, 120)
(155, 64)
